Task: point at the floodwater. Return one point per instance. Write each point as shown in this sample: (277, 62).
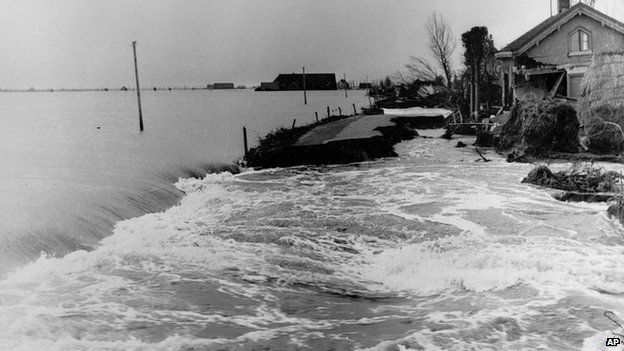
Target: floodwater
(74, 164)
(431, 250)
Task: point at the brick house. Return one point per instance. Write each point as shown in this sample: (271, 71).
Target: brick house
(551, 58)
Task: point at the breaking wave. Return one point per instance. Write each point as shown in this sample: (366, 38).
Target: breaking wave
(57, 233)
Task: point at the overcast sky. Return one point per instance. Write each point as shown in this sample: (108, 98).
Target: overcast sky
(87, 43)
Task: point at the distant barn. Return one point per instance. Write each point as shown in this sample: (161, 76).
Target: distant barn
(223, 86)
(314, 81)
(267, 86)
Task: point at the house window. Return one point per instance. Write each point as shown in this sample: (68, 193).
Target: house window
(583, 41)
(580, 41)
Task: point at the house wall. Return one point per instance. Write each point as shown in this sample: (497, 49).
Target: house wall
(525, 91)
(554, 48)
(506, 80)
(574, 85)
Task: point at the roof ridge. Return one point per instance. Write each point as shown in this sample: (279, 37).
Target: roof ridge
(525, 38)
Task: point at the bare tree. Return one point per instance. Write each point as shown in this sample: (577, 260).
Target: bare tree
(421, 69)
(591, 3)
(442, 44)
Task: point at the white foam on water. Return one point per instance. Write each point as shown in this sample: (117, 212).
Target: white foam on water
(559, 250)
(146, 252)
(462, 246)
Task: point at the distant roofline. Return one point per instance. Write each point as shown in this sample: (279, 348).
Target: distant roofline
(307, 74)
(526, 41)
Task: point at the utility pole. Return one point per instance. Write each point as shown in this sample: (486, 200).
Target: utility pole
(344, 78)
(245, 141)
(305, 97)
(138, 88)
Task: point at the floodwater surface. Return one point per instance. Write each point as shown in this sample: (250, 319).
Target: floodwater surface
(432, 250)
(74, 163)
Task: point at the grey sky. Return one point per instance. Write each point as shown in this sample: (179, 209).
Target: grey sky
(86, 43)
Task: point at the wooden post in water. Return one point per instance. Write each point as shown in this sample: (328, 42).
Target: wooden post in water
(354, 111)
(305, 97)
(294, 121)
(327, 111)
(316, 115)
(245, 141)
(340, 111)
(138, 88)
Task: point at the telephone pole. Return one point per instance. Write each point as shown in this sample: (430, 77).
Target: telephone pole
(305, 97)
(138, 88)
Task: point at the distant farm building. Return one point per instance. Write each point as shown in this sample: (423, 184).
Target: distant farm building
(223, 86)
(313, 81)
(365, 85)
(268, 86)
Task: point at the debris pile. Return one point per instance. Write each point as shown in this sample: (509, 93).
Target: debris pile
(417, 93)
(485, 138)
(580, 182)
(616, 209)
(537, 128)
(582, 178)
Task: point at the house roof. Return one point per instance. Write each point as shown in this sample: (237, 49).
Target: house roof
(312, 81)
(308, 75)
(537, 33)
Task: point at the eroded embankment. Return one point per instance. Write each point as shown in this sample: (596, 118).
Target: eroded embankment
(353, 139)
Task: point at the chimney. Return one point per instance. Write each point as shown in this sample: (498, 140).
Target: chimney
(564, 5)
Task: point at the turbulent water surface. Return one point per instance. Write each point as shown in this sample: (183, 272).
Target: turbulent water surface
(427, 251)
(74, 164)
